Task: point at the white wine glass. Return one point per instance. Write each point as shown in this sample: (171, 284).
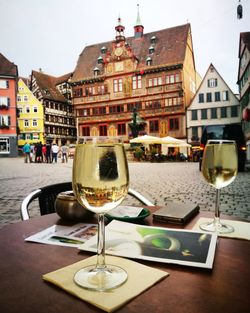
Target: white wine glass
(100, 183)
(219, 168)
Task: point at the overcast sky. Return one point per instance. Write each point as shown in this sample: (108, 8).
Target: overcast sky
(50, 34)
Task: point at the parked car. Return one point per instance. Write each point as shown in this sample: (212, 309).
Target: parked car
(72, 149)
(228, 132)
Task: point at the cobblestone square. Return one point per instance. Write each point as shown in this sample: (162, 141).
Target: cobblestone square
(159, 182)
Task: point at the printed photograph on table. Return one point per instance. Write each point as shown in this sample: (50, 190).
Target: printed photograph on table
(177, 246)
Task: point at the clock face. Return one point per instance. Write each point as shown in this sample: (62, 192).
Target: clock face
(118, 51)
(119, 66)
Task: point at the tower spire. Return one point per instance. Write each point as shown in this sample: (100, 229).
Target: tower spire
(119, 30)
(138, 28)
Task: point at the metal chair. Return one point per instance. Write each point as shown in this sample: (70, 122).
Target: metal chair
(47, 195)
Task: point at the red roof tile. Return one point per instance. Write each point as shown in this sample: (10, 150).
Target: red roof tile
(170, 48)
(7, 68)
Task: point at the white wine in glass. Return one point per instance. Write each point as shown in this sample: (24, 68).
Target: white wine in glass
(100, 183)
(219, 168)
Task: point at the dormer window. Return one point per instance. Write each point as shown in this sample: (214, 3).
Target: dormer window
(100, 60)
(103, 50)
(151, 49)
(96, 71)
(149, 61)
(153, 39)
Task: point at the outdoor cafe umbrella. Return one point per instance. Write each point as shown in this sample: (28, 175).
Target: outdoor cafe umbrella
(146, 139)
(174, 142)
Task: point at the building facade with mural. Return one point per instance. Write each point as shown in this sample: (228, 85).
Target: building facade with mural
(55, 95)
(30, 116)
(151, 74)
(8, 109)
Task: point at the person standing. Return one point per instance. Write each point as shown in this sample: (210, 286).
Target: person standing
(48, 152)
(26, 151)
(55, 150)
(64, 150)
(39, 153)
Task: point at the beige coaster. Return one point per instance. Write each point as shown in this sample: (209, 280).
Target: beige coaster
(140, 278)
(241, 229)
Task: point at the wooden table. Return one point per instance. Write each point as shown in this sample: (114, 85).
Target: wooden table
(225, 288)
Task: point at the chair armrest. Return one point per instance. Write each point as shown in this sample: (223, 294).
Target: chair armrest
(25, 204)
(140, 197)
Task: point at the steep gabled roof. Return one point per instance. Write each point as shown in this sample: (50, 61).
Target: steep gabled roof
(246, 39)
(47, 85)
(170, 48)
(7, 68)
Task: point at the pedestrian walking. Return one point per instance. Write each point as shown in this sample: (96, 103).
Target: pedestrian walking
(65, 151)
(44, 153)
(55, 150)
(26, 151)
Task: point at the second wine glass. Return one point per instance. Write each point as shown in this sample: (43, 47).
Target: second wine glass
(100, 183)
(219, 168)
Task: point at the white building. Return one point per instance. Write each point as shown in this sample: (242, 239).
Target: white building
(213, 104)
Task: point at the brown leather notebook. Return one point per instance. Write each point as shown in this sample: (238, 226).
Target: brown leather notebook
(176, 212)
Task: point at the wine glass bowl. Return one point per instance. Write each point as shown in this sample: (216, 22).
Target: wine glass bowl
(100, 183)
(219, 168)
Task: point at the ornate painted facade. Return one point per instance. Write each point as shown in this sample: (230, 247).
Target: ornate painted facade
(152, 73)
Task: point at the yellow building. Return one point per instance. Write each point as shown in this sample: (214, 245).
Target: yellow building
(30, 116)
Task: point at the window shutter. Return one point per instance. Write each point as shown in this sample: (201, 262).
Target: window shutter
(8, 120)
(8, 102)
(7, 84)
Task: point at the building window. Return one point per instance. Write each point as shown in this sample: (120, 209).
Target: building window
(203, 114)
(173, 78)
(98, 111)
(217, 96)
(4, 84)
(132, 106)
(25, 98)
(34, 123)
(234, 111)
(4, 145)
(209, 97)
(4, 102)
(225, 95)
(117, 85)
(154, 126)
(78, 92)
(155, 81)
(213, 112)
(153, 104)
(4, 121)
(116, 109)
(85, 131)
(194, 116)
(201, 97)
(121, 127)
(212, 82)
(27, 109)
(19, 98)
(223, 112)
(173, 101)
(26, 123)
(103, 130)
(35, 109)
(194, 132)
(136, 82)
(173, 124)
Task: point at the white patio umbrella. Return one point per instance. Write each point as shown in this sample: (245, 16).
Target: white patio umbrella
(174, 142)
(146, 139)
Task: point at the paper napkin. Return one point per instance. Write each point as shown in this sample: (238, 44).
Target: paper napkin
(241, 229)
(140, 278)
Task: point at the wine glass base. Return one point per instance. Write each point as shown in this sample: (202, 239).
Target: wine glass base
(217, 227)
(100, 279)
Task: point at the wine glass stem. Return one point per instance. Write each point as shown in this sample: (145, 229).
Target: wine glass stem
(101, 243)
(217, 204)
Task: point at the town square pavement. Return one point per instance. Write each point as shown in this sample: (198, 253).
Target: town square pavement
(159, 182)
